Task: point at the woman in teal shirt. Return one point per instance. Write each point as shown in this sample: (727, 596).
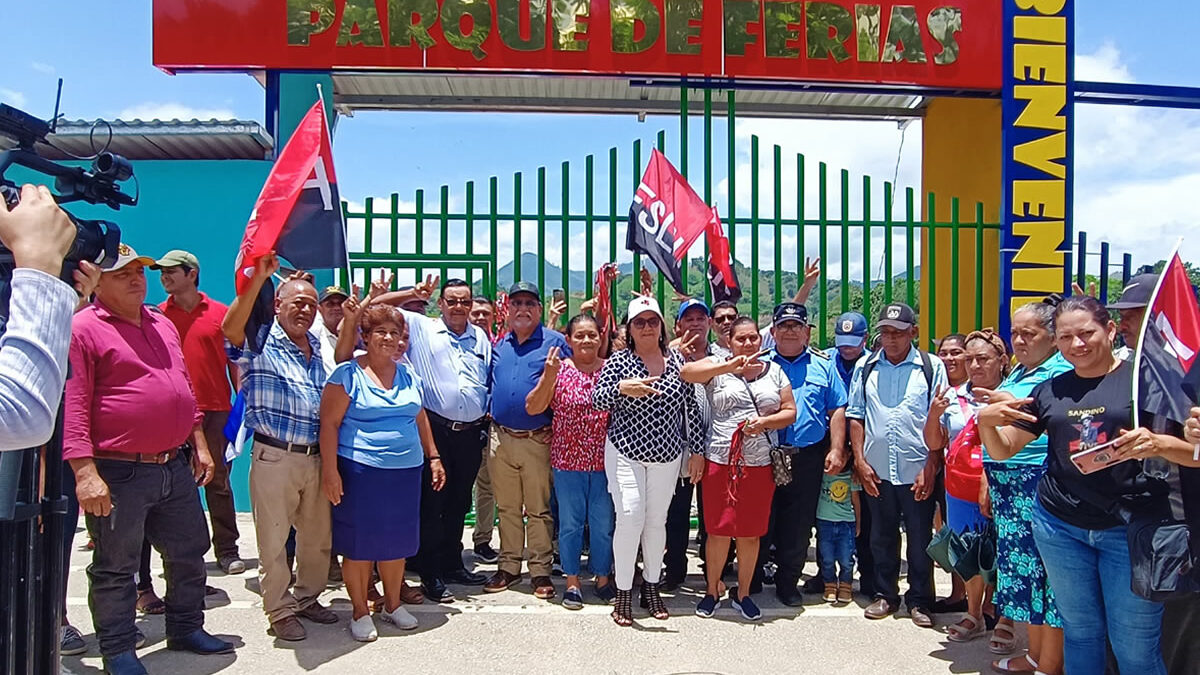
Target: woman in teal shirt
(1022, 590)
(375, 440)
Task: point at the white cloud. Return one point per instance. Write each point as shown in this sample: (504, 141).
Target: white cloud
(13, 98)
(174, 111)
(43, 68)
(1137, 170)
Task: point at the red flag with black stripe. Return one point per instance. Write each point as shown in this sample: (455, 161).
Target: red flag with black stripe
(721, 277)
(298, 214)
(665, 219)
(1169, 349)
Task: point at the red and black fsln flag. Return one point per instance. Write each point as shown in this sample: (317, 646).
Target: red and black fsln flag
(665, 219)
(298, 213)
(1169, 377)
(721, 276)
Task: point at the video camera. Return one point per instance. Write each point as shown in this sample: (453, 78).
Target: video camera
(95, 240)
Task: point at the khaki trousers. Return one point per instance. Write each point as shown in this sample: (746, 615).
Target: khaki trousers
(520, 472)
(485, 501)
(285, 488)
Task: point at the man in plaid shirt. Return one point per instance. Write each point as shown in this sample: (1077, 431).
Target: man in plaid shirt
(283, 383)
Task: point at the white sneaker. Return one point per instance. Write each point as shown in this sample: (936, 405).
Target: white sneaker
(363, 629)
(401, 618)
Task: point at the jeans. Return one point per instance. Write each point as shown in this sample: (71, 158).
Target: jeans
(159, 503)
(218, 494)
(443, 511)
(896, 502)
(583, 500)
(1089, 571)
(835, 551)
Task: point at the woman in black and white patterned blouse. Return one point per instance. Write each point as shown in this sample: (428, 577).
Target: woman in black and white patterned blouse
(652, 413)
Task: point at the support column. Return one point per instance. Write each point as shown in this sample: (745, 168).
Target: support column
(961, 157)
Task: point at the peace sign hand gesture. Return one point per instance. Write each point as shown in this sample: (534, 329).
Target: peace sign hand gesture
(425, 289)
(553, 362)
(378, 288)
(940, 402)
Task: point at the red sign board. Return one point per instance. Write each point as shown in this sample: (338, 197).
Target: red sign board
(953, 44)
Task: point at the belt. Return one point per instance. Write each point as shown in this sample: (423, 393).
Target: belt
(313, 449)
(139, 457)
(453, 425)
(524, 433)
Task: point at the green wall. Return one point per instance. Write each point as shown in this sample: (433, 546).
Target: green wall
(198, 205)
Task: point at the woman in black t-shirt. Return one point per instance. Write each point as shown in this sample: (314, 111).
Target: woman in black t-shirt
(1081, 541)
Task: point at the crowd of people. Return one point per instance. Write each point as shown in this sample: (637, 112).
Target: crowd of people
(374, 425)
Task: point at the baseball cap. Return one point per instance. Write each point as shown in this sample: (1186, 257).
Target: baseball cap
(330, 291)
(175, 258)
(789, 311)
(126, 255)
(849, 330)
(896, 315)
(690, 303)
(525, 287)
(1136, 293)
(643, 304)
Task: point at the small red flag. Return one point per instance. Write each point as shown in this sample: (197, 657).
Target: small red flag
(298, 213)
(721, 276)
(1168, 376)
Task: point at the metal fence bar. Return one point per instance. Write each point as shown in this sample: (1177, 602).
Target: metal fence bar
(754, 231)
(1104, 272)
(612, 223)
(778, 169)
(823, 248)
(637, 176)
(707, 178)
(979, 265)
(516, 227)
(954, 248)
(1081, 260)
(420, 232)
(731, 176)
(470, 229)
(909, 291)
(589, 220)
(493, 231)
(845, 249)
(541, 231)
(866, 246)
(565, 244)
(660, 293)
(888, 191)
(929, 270)
(683, 164)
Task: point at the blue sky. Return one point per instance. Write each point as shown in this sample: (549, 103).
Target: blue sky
(1136, 168)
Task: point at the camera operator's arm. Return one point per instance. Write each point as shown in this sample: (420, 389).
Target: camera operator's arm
(33, 350)
(234, 324)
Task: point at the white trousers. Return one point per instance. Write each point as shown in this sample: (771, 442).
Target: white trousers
(641, 493)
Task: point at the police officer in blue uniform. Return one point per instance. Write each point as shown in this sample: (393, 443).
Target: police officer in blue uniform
(820, 424)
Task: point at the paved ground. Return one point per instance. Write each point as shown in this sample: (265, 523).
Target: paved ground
(515, 632)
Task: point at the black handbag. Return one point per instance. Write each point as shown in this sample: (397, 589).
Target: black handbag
(1160, 554)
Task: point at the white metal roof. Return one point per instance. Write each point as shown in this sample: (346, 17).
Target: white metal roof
(161, 139)
(601, 94)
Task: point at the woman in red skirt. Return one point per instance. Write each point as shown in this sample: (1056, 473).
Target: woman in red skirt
(748, 398)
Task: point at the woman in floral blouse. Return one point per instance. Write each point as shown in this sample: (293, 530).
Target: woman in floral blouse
(577, 457)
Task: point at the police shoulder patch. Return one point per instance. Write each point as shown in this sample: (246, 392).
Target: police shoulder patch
(818, 353)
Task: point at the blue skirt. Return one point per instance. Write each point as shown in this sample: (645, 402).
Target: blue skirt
(963, 516)
(379, 517)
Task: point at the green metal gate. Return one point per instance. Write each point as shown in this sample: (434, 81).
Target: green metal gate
(473, 219)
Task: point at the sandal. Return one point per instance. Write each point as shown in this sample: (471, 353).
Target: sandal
(652, 601)
(1006, 664)
(1003, 639)
(622, 614)
(966, 630)
(149, 603)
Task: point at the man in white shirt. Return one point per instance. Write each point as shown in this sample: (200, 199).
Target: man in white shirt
(329, 305)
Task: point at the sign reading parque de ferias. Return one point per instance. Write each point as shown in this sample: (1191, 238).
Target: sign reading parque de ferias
(950, 44)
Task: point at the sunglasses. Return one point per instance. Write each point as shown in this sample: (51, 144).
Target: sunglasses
(458, 302)
(651, 322)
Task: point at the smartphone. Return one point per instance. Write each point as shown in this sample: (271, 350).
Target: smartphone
(559, 295)
(1097, 457)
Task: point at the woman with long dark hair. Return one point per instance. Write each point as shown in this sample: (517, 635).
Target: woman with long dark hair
(1082, 542)
(654, 422)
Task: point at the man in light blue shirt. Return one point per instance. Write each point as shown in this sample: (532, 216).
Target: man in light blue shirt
(452, 358)
(889, 400)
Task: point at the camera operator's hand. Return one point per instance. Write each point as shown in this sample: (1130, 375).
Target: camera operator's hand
(90, 488)
(37, 232)
(87, 278)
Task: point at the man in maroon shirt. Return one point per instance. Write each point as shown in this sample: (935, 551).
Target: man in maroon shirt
(130, 414)
(198, 318)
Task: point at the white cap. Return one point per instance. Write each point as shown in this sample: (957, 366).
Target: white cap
(643, 304)
(126, 255)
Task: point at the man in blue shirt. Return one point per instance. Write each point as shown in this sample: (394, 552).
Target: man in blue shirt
(520, 467)
(889, 401)
(820, 423)
(452, 357)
